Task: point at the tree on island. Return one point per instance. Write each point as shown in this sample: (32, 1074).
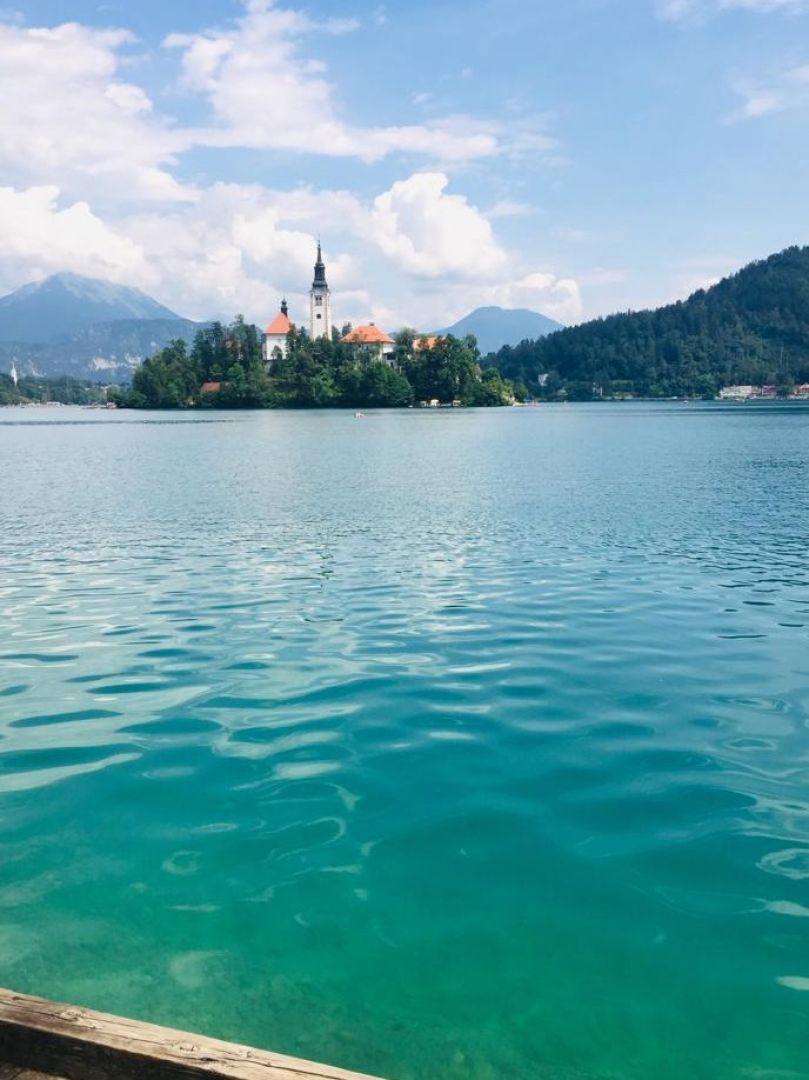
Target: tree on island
(225, 368)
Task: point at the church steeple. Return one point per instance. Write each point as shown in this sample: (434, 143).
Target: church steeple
(319, 301)
(320, 270)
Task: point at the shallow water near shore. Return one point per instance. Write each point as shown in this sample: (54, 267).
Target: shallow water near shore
(433, 744)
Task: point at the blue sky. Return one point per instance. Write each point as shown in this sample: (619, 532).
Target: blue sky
(576, 158)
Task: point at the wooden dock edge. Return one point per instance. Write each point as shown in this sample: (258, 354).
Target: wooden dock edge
(79, 1044)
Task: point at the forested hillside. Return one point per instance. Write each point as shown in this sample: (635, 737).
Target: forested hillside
(752, 327)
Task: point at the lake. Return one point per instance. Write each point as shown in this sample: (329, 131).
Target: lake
(434, 744)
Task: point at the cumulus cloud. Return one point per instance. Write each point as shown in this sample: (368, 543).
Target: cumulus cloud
(91, 168)
(265, 93)
(241, 247)
(67, 116)
(431, 233)
(540, 290)
(41, 236)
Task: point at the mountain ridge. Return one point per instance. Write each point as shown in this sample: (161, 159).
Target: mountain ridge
(63, 305)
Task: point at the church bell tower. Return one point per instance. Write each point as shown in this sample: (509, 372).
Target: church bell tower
(319, 301)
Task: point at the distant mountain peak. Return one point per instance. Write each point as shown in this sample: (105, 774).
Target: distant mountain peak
(495, 327)
(65, 303)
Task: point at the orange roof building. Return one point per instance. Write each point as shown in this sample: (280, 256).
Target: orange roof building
(367, 335)
(373, 341)
(424, 341)
(210, 388)
(275, 336)
(279, 325)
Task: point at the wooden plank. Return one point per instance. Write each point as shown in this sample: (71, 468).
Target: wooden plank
(12, 1072)
(79, 1044)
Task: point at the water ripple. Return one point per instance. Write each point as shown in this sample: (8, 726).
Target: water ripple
(482, 738)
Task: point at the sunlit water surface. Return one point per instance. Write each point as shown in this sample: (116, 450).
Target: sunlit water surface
(462, 744)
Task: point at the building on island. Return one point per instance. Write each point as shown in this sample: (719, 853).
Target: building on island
(371, 342)
(275, 336)
(375, 343)
(319, 301)
(425, 341)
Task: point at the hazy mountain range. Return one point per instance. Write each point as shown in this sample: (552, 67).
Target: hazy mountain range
(65, 304)
(72, 325)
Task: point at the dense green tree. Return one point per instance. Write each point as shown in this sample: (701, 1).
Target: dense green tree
(446, 371)
(752, 327)
(62, 388)
(382, 385)
(491, 389)
(312, 374)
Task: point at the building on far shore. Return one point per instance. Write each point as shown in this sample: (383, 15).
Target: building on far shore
(375, 343)
(746, 392)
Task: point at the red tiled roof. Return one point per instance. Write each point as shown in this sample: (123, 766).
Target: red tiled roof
(210, 387)
(424, 341)
(279, 325)
(367, 335)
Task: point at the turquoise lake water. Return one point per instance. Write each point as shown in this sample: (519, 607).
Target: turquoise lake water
(464, 744)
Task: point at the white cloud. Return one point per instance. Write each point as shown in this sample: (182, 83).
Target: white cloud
(40, 237)
(265, 94)
(69, 120)
(241, 247)
(90, 165)
(430, 233)
(505, 208)
(540, 290)
(789, 89)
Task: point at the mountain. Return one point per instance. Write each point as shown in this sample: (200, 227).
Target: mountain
(750, 328)
(496, 326)
(103, 352)
(85, 328)
(65, 304)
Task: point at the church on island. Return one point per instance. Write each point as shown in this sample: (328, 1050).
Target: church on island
(374, 342)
